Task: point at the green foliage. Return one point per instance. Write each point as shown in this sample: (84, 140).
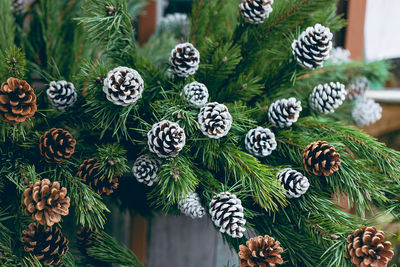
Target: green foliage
(106, 249)
(245, 66)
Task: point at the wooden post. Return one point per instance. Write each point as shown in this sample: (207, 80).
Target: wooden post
(354, 41)
(147, 22)
(138, 244)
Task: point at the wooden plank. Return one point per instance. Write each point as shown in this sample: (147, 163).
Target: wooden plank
(148, 22)
(355, 28)
(139, 233)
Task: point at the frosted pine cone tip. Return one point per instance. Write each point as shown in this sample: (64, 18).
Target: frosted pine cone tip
(256, 11)
(61, 94)
(260, 142)
(313, 46)
(166, 139)
(184, 60)
(145, 170)
(123, 86)
(215, 120)
(284, 112)
(294, 182)
(195, 94)
(191, 206)
(327, 97)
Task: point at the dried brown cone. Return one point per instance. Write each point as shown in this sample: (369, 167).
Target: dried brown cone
(47, 244)
(260, 251)
(85, 239)
(46, 202)
(17, 101)
(91, 174)
(55, 145)
(367, 247)
(320, 158)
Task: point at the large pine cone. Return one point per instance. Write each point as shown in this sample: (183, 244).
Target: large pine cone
(123, 86)
(320, 158)
(92, 175)
(184, 60)
(56, 145)
(327, 97)
(195, 94)
(215, 120)
(260, 142)
(191, 206)
(166, 139)
(367, 248)
(284, 112)
(357, 88)
(366, 111)
(46, 202)
(226, 212)
(17, 101)
(256, 11)
(47, 244)
(260, 251)
(294, 182)
(61, 94)
(313, 46)
(145, 170)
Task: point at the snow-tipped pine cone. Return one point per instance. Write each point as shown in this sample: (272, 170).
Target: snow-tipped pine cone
(145, 170)
(195, 94)
(61, 94)
(215, 120)
(260, 142)
(313, 46)
(184, 60)
(295, 183)
(166, 139)
(327, 97)
(123, 86)
(191, 206)
(284, 112)
(256, 11)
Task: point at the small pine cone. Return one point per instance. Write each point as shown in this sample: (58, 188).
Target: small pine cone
(366, 111)
(18, 6)
(166, 139)
(357, 88)
(260, 251)
(284, 112)
(46, 202)
(123, 86)
(226, 212)
(260, 142)
(327, 97)
(176, 24)
(339, 56)
(294, 182)
(145, 170)
(184, 60)
(47, 244)
(55, 145)
(367, 247)
(195, 94)
(61, 94)
(313, 46)
(256, 11)
(17, 101)
(191, 206)
(215, 120)
(89, 171)
(320, 158)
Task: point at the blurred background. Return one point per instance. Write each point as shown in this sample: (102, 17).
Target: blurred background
(181, 241)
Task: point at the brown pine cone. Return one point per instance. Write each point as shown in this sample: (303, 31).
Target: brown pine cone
(85, 239)
(260, 251)
(47, 244)
(91, 174)
(17, 101)
(56, 145)
(46, 202)
(367, 247)
(320, 158)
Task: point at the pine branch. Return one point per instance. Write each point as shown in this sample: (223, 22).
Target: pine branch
(106, 249)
